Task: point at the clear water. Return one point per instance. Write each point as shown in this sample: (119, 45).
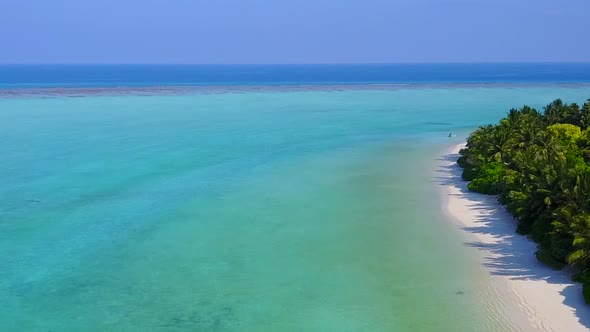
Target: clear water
(283, 211)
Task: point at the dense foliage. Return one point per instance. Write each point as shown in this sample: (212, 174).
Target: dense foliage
(538, 163)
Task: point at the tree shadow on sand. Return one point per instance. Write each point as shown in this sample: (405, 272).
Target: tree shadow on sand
(512, 255)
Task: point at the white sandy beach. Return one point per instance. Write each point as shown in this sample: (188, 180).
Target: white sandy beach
(533, 297)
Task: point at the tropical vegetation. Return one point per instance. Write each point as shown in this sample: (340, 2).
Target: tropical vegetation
(538, 164)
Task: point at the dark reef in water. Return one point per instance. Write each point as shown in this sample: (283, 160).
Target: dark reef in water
(76, 92)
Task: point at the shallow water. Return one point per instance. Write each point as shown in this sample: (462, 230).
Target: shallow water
(257, 211)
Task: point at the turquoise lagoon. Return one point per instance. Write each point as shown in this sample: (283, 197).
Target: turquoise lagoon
(253, 211)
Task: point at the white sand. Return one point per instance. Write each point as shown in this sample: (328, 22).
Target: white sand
(535, 297)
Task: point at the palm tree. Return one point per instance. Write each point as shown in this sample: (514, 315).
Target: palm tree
(552, 111)
(580, 226)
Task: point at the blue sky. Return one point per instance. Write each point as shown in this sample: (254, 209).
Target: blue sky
(294, 31)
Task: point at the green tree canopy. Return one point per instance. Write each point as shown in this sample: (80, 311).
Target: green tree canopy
(538, 163)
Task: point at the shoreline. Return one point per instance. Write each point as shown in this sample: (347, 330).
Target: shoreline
(539, 298)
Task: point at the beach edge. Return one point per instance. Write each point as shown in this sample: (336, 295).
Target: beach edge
(548, 299)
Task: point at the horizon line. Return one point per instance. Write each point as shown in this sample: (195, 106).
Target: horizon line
(288, 64)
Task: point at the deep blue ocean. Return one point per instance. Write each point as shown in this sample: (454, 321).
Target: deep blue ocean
(31, 76)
